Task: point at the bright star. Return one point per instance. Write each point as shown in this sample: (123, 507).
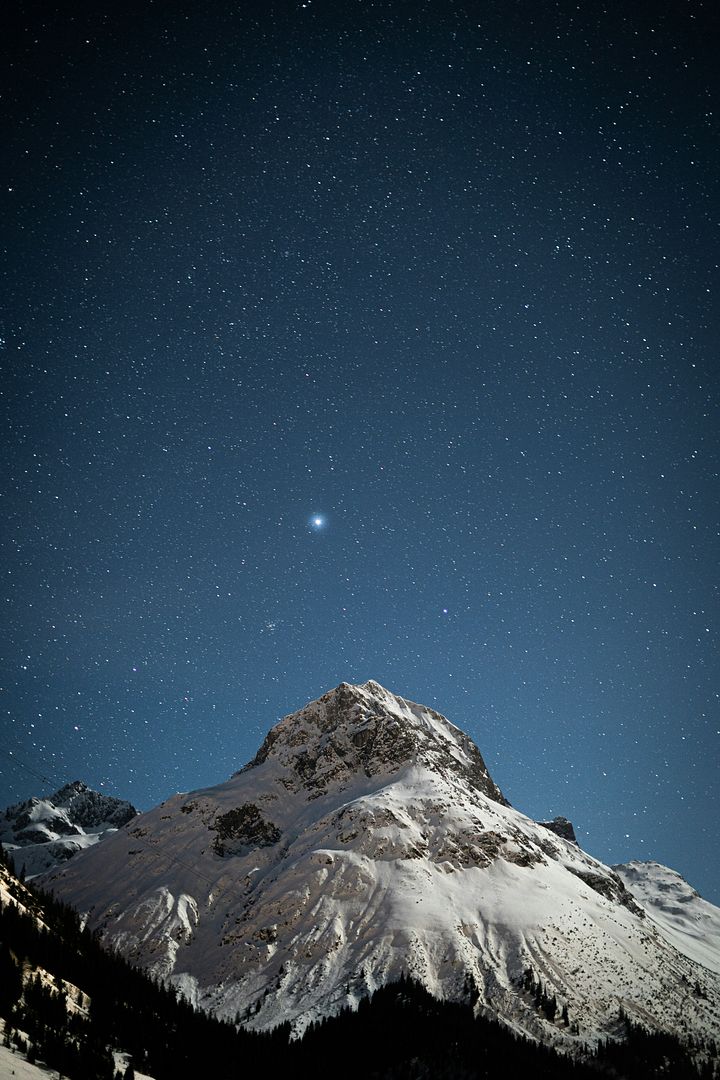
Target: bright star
(317, 521)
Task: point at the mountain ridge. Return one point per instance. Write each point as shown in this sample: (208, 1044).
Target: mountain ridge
(41, 832)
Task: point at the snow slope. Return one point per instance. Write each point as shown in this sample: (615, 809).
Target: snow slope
(15, 1064)
(681, 915)
(367, 839)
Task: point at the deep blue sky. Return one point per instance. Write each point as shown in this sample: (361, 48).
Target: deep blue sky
(443, 273)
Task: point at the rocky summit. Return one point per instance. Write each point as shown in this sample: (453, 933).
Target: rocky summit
(367, 840)
(367, 731)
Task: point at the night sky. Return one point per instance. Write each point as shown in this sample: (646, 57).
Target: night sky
(350, 340)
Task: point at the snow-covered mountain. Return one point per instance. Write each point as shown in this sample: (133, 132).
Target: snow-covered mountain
(367, 839)
(681, 915)
(40, 833)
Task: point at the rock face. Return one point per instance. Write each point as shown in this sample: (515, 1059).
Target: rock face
(241, 830)
(367, 731)
(366, 839)
(40, 833)
(561, 827)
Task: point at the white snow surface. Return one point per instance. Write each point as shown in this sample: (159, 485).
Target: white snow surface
(14, 1064)
(681, 915)
(366, 839)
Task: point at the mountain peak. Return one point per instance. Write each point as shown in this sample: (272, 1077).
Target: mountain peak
(367, 730)
(42, 832)
(561, 827)
(68, 791)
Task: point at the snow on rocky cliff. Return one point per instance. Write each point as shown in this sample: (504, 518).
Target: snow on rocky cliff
(367, 839)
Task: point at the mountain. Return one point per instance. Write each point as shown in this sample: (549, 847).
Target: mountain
(40, 833)
(366, 841)
(67, 1003)
(680, 914)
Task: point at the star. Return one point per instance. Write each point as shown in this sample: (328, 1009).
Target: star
(317, 522)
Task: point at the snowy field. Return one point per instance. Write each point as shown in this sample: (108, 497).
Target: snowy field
(14, 1064)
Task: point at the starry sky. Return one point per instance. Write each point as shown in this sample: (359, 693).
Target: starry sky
(350, 340)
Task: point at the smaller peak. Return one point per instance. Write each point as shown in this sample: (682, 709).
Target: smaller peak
(649, 869)
(75, 787)
(561, 827)
(374, 687)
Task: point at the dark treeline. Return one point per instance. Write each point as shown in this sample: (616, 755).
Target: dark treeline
(124, 1008)
(400, 1033)
(403, 1033)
